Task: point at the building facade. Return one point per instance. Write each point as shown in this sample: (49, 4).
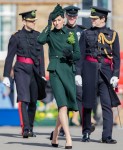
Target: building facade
(10, 21)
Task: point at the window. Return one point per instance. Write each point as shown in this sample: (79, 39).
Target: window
(102, 3)
(86, 4)
(7, 24)
(85, 11)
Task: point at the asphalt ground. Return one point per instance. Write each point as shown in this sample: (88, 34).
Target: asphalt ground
(11, 139)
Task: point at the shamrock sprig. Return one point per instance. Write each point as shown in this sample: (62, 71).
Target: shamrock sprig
(71, 38)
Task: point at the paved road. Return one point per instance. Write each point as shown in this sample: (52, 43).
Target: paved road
(10, 139)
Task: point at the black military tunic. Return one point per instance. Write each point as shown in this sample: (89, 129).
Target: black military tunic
(89, 46)
(24, 43)
(97, 58)
(78, 29)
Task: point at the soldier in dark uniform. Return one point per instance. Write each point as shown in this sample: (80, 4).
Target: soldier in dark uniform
(29, 57)
(71, 16)
(63, 52)
(100, 64)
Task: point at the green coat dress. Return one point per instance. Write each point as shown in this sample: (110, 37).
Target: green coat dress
(62, 73)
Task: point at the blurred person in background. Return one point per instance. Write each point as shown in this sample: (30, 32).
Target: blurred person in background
(4, 96)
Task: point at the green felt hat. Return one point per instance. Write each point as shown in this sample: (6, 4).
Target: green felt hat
(58, 11)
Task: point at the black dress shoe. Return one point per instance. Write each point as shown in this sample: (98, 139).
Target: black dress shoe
(61, 133)
(25, 134)
(68, 147)
(109, 140)
(92, 127)
(86, 137)
(31, 134)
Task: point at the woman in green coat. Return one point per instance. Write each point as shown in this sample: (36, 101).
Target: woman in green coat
(63, 52)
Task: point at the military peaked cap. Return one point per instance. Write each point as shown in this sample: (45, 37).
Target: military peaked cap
(97, 12)
(72, 10)
(29, 15)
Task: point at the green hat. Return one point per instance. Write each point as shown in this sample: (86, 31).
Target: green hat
(58, 11)
(97, 12)
(29, 15)
(72, 10)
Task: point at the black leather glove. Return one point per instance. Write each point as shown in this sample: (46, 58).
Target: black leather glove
(68, 54)
(50, 21)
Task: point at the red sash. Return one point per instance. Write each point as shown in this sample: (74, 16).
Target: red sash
(25, 60)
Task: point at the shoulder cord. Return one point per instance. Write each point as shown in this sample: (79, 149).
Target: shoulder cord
(102, 38)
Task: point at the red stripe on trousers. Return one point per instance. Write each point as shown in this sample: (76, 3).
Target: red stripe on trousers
(20, 115)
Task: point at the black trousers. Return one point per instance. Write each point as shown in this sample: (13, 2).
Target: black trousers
(27, 115)
(79, 100)
(106, 112)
